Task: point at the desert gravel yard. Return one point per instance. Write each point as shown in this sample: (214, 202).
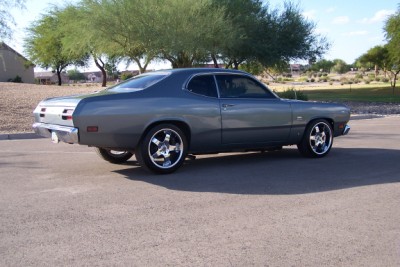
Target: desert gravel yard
(17, 102)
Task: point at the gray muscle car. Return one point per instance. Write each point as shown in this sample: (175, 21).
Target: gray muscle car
(162, 117)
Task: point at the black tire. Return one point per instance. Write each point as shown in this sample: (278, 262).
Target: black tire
(163, 149)
(317, 140)
(113, 156)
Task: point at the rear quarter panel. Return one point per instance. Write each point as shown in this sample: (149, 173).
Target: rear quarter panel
(123, 118)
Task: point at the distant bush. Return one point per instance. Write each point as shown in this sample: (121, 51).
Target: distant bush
(75, 75)
(17, 79)
(385, 80)
(126, 76)
(359, 76)
(291, 93)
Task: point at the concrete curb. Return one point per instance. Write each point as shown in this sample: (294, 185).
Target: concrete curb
(19, 136)
(366, 116)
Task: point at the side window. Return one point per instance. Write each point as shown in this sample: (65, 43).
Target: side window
(237, 86)
(203, 85)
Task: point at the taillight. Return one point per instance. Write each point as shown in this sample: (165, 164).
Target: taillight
(67, 114)
(42, 112)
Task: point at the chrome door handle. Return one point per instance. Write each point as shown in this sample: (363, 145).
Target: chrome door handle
(227, 105)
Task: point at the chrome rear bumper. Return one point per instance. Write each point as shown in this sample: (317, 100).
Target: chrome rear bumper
(64, 133)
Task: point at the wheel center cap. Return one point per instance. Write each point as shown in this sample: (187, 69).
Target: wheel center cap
(164, 150)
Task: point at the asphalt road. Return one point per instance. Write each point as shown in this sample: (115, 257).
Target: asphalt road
(62, 205)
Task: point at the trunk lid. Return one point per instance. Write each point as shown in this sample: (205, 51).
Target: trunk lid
(58, 110)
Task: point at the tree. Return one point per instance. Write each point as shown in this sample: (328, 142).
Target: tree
(45, 47)
(111, 67)
(123, 34)
(253, 67)
(392, 30)
(269, 36)
(245, 16)
(80, 36)
(323, 65)
(340, 66)
(186, 33)
(190, 32)
(6, 20)
(75, 75)
(376, 56)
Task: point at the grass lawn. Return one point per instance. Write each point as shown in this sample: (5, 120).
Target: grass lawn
(360, 93)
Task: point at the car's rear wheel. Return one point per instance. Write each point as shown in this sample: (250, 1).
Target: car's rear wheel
(163, 149)
(113, 156)
(317, 140)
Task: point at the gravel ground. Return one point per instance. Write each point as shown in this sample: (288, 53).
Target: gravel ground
(18, 101)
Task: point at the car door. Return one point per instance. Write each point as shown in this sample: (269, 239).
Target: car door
(250, 113)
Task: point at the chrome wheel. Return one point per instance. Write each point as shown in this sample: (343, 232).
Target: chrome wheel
(166, 148)
(114, 156)
(317, 139)
(321, 138)
(163, 149)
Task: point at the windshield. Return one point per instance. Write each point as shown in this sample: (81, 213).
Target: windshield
(138, 83)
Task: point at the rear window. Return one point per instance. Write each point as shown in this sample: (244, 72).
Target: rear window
(138, 83)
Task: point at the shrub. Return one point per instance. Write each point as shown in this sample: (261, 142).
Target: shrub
(343, 80)
(312, 80)
(385, 80)
(291, 93)
(17, 79)
(359, 76)
(126, 76)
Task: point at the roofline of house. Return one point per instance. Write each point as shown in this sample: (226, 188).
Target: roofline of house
(3, 44)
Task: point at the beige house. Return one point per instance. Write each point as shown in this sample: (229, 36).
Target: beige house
(13, 64)
(49, 77)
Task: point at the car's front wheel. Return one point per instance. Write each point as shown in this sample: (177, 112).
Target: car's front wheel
(163, 149)
(317, 140)
(113, 156)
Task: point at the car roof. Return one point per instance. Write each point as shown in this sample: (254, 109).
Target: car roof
(197, 70)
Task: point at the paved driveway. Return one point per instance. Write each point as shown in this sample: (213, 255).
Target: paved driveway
(62, 205)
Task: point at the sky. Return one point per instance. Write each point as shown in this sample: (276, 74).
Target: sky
(350, 26)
